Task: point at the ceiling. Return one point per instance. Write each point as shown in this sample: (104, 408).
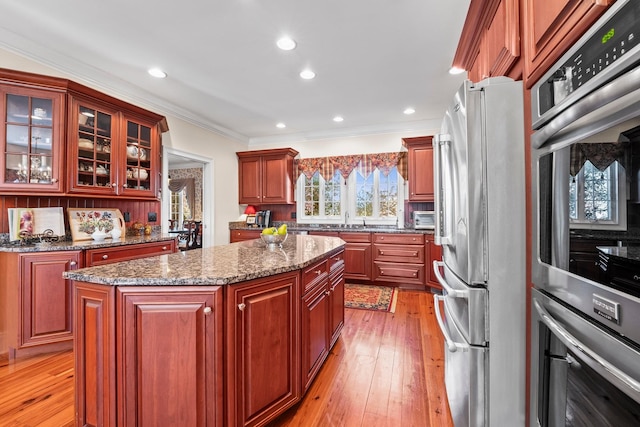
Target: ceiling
(372, 59)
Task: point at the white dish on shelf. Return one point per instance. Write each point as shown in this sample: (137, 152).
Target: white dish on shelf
(85, 143)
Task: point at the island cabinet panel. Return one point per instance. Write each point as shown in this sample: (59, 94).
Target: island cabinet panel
(95, 355)
(433, 252)
(315, 330)
(262, 349)
(170, 356)
(37, 301)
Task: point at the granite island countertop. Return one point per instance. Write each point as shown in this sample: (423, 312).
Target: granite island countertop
(217, 265)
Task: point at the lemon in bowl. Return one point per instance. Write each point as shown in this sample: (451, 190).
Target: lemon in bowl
(273, 236)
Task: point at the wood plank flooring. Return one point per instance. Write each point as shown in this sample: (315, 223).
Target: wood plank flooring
(385, 370)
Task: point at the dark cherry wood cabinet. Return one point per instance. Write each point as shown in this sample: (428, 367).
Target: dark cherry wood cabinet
(112, 152)
(266, 176)
(432, 253)
(32, 134)
(399, 258)
(158, 387)
(336, 296)
(241, 235)
(262, 349)
(551, 27)
(420, 168)
(37, 300)
(583, 256)
(490, 42)
(357, 255)
(109, 255)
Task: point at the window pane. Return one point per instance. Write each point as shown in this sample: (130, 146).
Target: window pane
(573, 197)
(597, 192)
(388, 191)
(364, 195)
(332, 195)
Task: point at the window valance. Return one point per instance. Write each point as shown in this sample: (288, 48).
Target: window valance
(364, 163)
(601, 155)
(187, 184)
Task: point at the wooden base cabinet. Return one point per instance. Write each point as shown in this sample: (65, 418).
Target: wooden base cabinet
(37, 301)
(433, 252)
(154, 353)
(262, 349)
(242, 235)
(399, 258)
(357, 255)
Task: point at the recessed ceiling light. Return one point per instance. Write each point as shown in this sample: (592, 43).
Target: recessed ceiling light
(338, 119)
(285, 43)
(307, 74)
(157, 72)
(409, 110)
(281, 126)
(456, 70)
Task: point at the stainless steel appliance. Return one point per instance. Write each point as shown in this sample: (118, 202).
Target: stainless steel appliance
(480, 224)
(263, 219)
(585, 325)
(424, 220)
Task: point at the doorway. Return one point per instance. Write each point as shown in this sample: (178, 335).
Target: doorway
(199, 203)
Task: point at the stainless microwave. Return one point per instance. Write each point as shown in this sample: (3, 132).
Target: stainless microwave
(424, 220)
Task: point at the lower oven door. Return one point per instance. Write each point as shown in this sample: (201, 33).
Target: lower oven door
(465, 372)
(581, 373)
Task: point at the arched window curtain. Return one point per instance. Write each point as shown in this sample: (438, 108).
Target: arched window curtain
(364, 163)
(601, 155)
(187, 184)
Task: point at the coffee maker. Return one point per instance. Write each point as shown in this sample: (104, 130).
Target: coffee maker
(263, 219)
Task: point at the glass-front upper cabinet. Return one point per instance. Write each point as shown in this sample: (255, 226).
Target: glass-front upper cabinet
(31, 140)
(141, 157)
(92, 145)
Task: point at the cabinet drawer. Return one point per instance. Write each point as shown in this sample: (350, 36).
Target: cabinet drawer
(399, 273)
(336, 263)
(356, 237)
(412, 254)
(240, 235)
(95, 257)
(403, 239)
(313, 274)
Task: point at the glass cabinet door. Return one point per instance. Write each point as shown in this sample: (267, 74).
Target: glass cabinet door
(94, 165)
(30, 140)
(139, 157)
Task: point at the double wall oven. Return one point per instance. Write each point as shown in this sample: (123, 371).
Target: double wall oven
(585, 324)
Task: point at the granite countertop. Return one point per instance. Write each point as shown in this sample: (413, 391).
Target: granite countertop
(628, 253)
(295, 227)
(217, 265)
(71, 245)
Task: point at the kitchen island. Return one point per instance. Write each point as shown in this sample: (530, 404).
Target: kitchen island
(228, 335)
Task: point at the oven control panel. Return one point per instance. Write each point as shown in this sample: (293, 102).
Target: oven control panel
(607, 43)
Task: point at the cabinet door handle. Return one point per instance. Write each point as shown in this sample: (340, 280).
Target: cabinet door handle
(636, 277)
(105, 256)
(241, 306)
(327, 293)
(114, 185)
(207, 311)
(381, 252)
(73, 263)
(54, 180)
(318, 272)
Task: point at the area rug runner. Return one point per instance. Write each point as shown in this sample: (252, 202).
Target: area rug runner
(370, 297)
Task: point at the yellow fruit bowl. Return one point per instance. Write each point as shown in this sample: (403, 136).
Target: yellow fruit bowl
(273, 239)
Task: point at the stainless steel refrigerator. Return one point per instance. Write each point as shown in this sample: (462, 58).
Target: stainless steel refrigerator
(479, 170)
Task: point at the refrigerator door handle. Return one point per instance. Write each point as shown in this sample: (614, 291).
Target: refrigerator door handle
(604, 367)
(453, 293)
(442, 237)
(451, 344)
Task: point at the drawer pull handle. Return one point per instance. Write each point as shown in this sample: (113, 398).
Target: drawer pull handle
(318, 272)
(636, 277)
(327, 293)
(105, 256)
(164, 248)
(73, 263)
(241, 306)
(207, 311)
(381, 252)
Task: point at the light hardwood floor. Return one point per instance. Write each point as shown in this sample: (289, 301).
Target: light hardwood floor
(385, 370)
